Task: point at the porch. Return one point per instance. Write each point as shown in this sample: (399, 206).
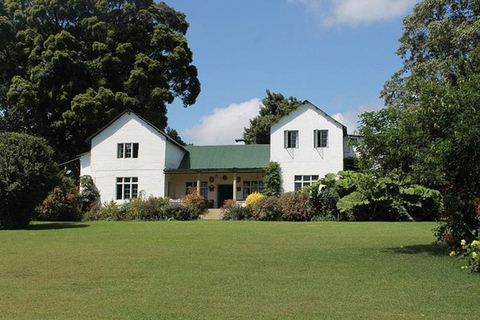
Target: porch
(215, 186)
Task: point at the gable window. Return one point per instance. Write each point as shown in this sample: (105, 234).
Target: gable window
(320, 138)
(291, 138)
(189, 186)
(127, 150)
(127, 188)
(250, 187)
(304, 181)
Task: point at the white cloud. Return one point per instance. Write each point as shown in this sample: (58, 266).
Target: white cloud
(353, 12)
(350, 118)
(224, 125)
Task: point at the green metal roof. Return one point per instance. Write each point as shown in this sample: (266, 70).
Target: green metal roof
(253, 156)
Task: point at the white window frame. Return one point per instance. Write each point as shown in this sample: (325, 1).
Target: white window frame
(320, 138)
(302, 181)
(291, 140)
(127, 150)
(126, 188)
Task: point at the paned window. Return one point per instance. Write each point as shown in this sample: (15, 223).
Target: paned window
(291, 139)
(193, 185)
(320, 138)
(127, 150)
(251, 187)
(304, 181)
(127, 188)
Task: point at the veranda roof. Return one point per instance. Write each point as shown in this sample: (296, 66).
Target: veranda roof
(234, 157)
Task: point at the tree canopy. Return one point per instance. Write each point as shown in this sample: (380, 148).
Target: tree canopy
(428, 133)
(27, 174)
(274, 106)
(67, 67)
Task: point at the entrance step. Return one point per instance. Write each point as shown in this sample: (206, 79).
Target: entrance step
(213, 214)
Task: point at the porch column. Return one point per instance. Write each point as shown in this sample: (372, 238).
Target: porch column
(234, 186)
(198, 183)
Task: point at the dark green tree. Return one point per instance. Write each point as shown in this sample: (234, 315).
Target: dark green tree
(429, 132)
(273, 179)
(27, 174)
(172, 133)
(67, 67)
(275, 106)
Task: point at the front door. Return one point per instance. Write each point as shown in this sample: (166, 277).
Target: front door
(225, 192)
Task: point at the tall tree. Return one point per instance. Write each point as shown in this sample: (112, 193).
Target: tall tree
(274, 106)
(67, 67)
(429, 131)
(27, 173)
(440, 43)
(172, 133)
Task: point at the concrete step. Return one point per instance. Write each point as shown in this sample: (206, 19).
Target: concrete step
(213, 214)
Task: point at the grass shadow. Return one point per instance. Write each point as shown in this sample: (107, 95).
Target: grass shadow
(435, 249)
(56, 225)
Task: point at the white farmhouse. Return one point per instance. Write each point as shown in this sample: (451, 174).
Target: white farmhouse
(130, 156)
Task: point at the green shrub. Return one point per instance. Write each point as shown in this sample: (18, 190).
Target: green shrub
(296, 206)
(110, 212)
(61, 203)
(267, 209)
(324, 202)
(141, 209)
(273, 179)
(371, 198)
(151, 208)
(233, 211)
(27, 174)
(176, 211)
(462, 218)
(89, 196)
(361, 196)
(422, 204)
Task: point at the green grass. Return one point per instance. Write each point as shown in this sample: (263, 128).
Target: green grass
(232, 270)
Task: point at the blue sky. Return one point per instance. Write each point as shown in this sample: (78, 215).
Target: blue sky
(335, 53)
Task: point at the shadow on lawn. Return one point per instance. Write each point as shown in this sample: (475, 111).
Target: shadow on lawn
(436, 249)
(57, 225)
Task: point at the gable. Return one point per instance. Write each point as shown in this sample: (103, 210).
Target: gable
(127, 128)
(145, 123)
(307, 115)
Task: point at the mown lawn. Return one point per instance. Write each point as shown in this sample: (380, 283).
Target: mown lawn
(232, 270)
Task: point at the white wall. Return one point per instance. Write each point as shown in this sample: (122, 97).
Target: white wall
(85, 164)
(105, 167)
(306, 159)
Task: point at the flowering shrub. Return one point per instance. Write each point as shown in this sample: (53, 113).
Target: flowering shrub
(253, 198)
(61, 203)
(471, 252)
(195, 205)
(267, 209)
(296, 206)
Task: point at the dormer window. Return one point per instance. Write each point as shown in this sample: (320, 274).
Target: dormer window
(127, 150)
(291, 139)
(320, 138)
